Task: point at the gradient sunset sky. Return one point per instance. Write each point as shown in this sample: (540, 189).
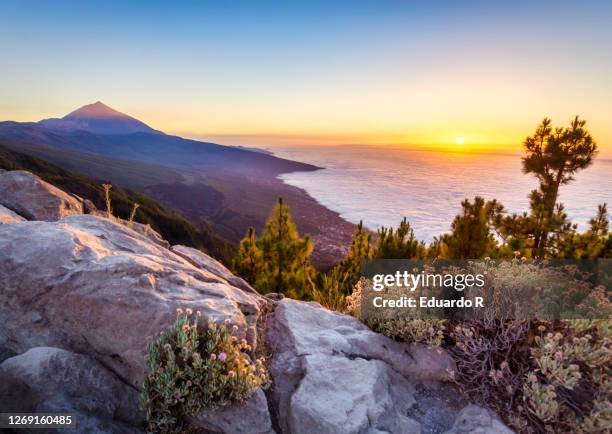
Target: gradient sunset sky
(264, 73)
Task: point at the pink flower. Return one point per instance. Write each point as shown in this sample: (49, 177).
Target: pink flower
(222, 356)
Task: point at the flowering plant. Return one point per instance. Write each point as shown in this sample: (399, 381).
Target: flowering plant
(193, 369)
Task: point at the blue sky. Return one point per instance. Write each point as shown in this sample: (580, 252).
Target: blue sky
(329, 72)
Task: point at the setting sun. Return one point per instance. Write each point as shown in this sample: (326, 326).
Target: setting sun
(459, 141)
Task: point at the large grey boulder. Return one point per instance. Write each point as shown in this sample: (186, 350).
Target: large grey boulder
(333, 375)
(7, 216)
(35, 199)
(94, 286)
(46, 379)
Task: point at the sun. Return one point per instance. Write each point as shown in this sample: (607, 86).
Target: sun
(459, 140)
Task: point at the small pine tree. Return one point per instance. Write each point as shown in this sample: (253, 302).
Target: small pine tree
(398, 244)
(285, 256)
(471, 237)
(350, 267)
(596, 242)
(248, 262)
(599, 225)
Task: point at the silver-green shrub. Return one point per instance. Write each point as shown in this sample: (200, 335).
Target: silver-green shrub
(193, 368)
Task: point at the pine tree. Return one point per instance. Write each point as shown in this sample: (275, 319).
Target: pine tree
(285, 256)
(398, 244)
(348, 271)
(596, 242)
(599, 224)
(554, 156)
(248, 262)
(471, 237)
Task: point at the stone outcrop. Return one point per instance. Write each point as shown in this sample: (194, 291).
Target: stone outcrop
(35, 199)
(53, 380)
(83, 295)
(90, 285)
(334, 375)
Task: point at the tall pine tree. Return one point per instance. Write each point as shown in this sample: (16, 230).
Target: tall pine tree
(553, 156)
(279, 260)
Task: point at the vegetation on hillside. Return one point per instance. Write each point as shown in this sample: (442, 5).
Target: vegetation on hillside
(172, 226)
(482, 229)
(541, 376)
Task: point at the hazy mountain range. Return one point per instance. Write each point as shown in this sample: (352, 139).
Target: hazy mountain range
(229, 187)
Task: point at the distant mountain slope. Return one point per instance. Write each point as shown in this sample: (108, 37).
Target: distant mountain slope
(153, 148)
(172, 226)
(230, 187)
(98, 118)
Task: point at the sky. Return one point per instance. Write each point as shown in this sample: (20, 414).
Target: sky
(332, 72)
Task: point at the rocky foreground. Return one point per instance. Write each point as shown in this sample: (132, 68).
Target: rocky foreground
(83, 295)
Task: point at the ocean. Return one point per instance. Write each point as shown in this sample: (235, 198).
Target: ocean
(381, 185)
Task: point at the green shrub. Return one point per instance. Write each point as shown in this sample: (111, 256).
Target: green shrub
(569, 387)
(425, 331)
(429, 331)
(193, 369)
(327, 290)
